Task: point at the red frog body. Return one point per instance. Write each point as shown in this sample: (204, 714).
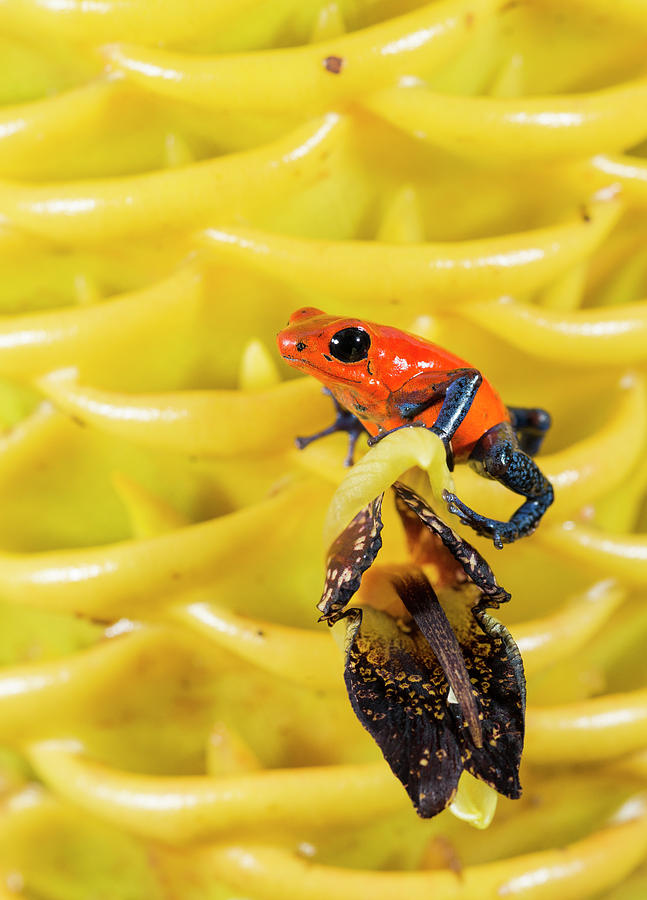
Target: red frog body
(382, 379)
(395, 375)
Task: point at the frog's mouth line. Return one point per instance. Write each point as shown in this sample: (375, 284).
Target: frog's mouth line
(304, 362)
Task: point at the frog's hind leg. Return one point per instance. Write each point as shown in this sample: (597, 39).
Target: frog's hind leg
(531, 426)
(497, 455)
(344, 421)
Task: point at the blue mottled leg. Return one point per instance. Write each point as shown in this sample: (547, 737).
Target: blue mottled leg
(497, 455)
(531, 426)
(456, 405)
(457, 388)
(344, 421)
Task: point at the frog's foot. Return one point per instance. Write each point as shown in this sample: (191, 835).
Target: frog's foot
(497, 455)
(344, 421)
(521, 524)
(481, 524)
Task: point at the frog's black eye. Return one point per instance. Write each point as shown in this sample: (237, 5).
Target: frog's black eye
(350, 345)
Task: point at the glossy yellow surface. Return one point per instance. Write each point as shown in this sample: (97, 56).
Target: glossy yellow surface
(296, 80)
(365, 273)
(175, 179)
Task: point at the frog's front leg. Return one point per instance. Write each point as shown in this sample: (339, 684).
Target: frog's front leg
(497, 455)
(457, 389)
(344, 421)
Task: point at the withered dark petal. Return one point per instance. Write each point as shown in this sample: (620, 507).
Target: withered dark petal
(351, 554)
(399, 693)
(442, 693)
(494, 663)
(473, 564)
(421, 602)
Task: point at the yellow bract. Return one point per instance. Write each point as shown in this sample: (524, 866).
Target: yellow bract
(381, 466)
(367, 275)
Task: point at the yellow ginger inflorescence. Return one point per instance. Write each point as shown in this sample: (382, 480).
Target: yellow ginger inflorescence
(175, 179)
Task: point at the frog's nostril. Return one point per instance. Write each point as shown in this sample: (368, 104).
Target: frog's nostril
(300, 346)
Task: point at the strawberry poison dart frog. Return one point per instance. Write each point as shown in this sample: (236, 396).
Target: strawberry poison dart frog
(382, 379)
